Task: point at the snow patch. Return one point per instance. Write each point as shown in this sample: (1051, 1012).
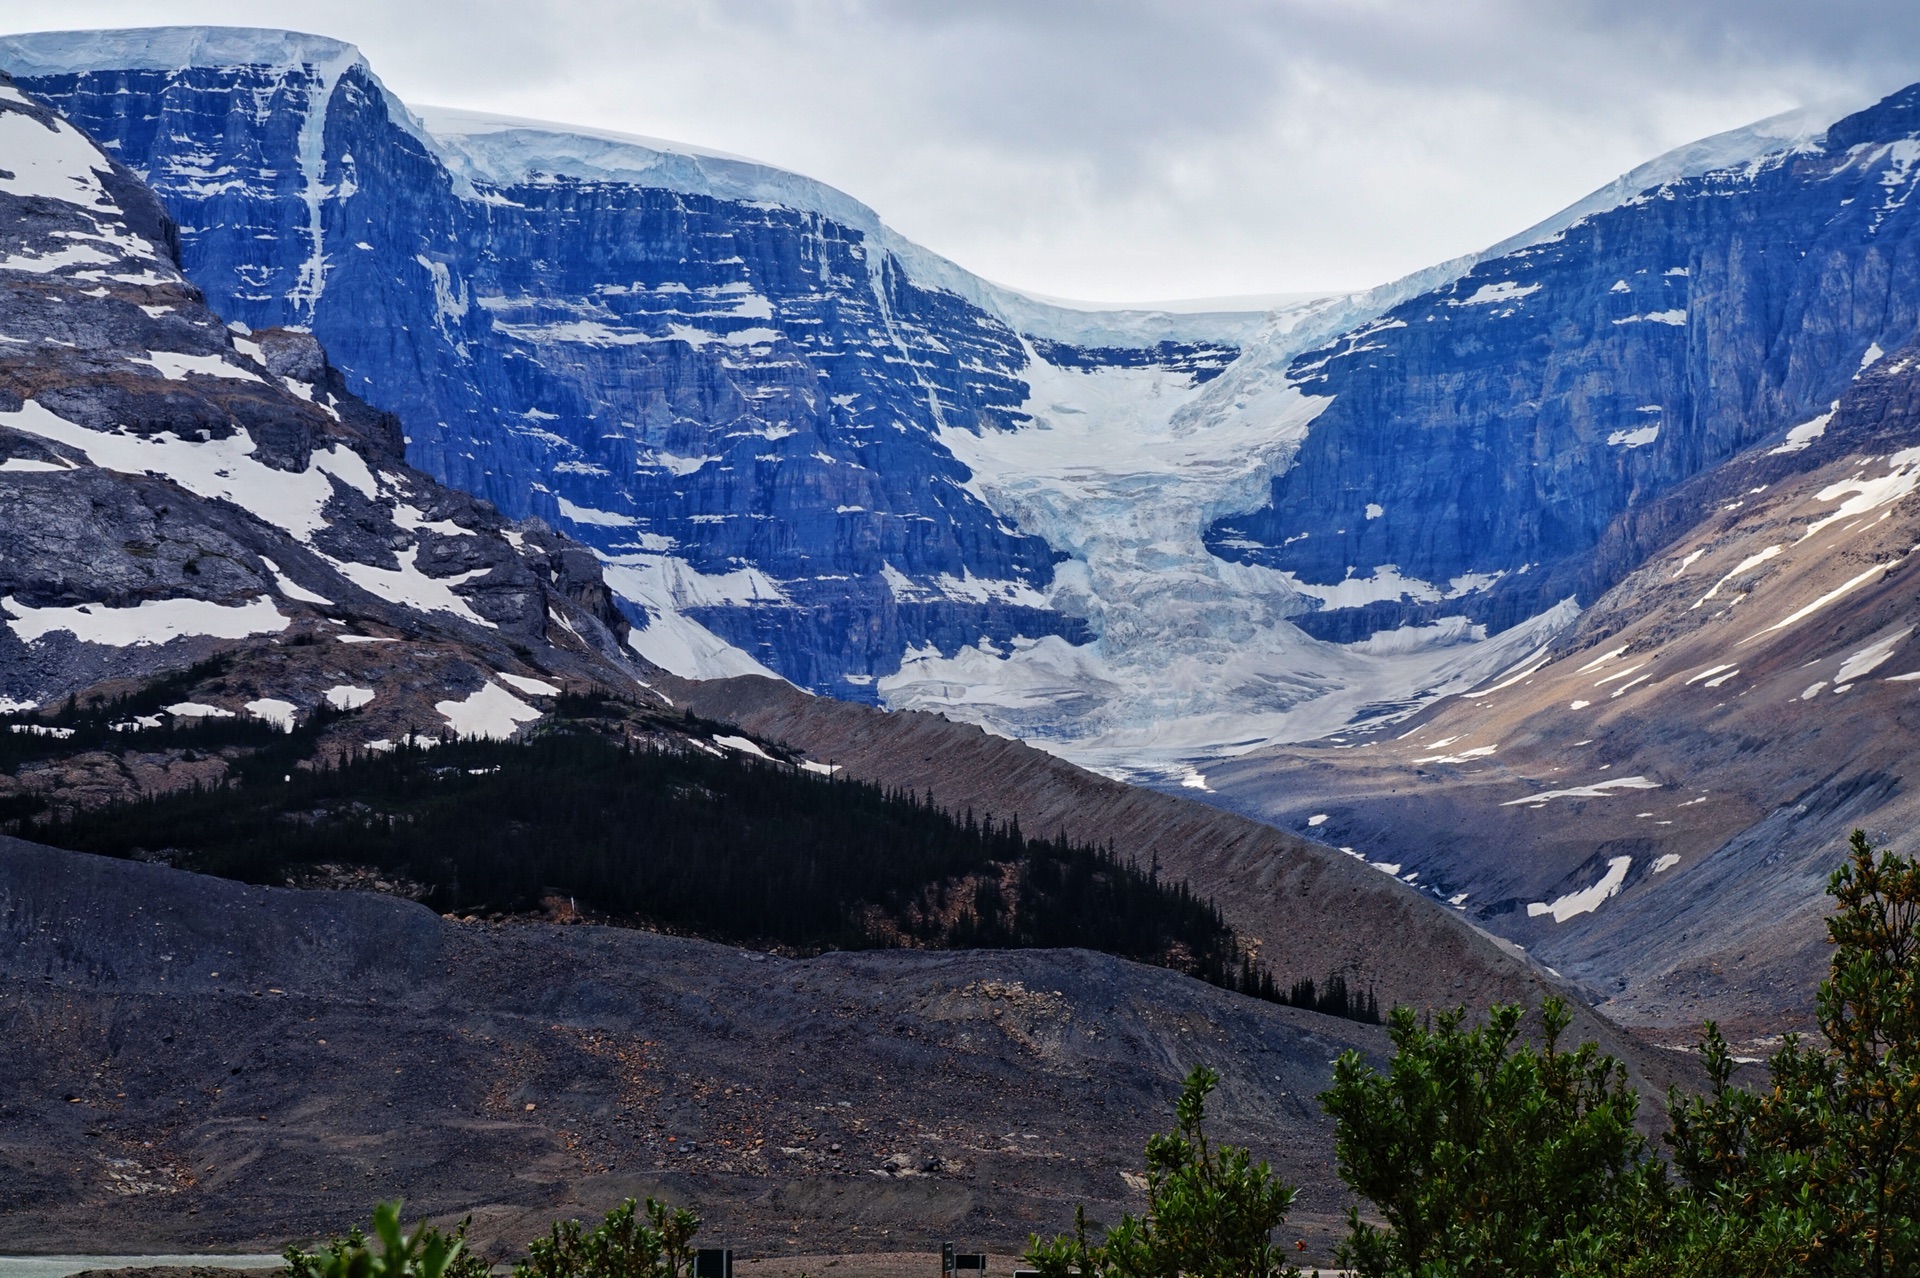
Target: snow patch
(221, 469)
(531, 686)
(57, 163)
(1676, 318)
(1844, 589)
(1504, 291)
(1587, 900)
(742, 745)
(345, 696)
(293, 589)
(1870, 657)
(197, 710)
(1803, 435)
(1601, 660)
(1863, 495)
(175, 366)
(595, 518)
(411, 588)
(1708, 673)
(275, 711)
(154, 622)
(1478, 752)
(1745, 566)
(683, 646)
(1598, 790)
(492, 714)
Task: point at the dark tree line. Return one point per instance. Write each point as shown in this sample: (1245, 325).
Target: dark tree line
(133, 720)
(724, 847)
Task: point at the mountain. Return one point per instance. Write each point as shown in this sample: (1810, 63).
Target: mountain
(728, 379)
(800, 443)
(1164, 545)
(212, 1066)
(171, 488)
(1653, 805)
(213, 514)
(1469, 447)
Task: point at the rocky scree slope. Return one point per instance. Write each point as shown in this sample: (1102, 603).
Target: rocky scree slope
(1306, 910)
(1653, 806)
(225, 1066)
(171, 488)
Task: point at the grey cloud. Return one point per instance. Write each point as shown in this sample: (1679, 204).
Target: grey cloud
(1129, 148)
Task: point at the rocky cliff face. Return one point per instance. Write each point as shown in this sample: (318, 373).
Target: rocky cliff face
(1476, 441)
(730, 381)
(170, 486)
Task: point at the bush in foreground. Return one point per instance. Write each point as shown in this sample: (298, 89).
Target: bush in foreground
(424, 1253)
(621, 1246)
(1211, 1211)
(1475, 1144)
(1484, 1155)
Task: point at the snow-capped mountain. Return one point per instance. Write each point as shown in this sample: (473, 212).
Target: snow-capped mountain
(731, 380)
(1654, 809)
(171, 488)
(801, 443)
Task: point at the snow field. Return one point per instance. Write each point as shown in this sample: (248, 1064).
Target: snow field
(492, 713)
(151, 623)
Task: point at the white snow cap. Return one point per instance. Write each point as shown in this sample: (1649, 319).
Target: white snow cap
(507, 150)
(168, 49)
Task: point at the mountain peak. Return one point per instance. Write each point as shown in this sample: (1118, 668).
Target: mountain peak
(1892, 118)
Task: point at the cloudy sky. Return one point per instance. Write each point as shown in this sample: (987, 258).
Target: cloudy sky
(1134, 149)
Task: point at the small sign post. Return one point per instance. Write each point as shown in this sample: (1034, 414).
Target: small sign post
(713, 1262)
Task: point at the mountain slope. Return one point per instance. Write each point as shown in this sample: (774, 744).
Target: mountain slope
(170, 488)
(798, 442)
(216, 1065)
(801, 443)
(1473, 444)
(1714, 727)
(1308, 910)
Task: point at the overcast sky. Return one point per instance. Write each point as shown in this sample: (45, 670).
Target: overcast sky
(1133, 149)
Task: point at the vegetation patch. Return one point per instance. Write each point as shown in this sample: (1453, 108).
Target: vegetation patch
(675, 838)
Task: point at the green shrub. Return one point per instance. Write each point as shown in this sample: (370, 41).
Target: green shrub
(621, 1246)
(1486, 1156)
(1211, 1211)
(425, 1253)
